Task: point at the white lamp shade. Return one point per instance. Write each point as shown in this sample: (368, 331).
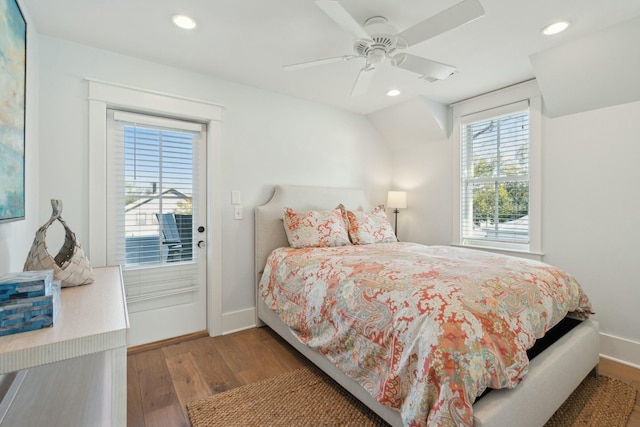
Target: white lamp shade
(397, 199)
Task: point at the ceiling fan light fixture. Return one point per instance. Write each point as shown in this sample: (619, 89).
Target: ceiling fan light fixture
(183, 21)
(555, 28)
(376, 55)
(393, 92)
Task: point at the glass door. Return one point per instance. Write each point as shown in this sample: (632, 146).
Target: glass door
(156, 222)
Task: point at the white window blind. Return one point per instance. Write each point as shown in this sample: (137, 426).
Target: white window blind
(495, 154)
(150, 190)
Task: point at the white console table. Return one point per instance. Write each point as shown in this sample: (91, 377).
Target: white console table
(74, 373)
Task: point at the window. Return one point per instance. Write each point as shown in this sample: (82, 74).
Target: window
(153, 188)
(495, 179)
(498, 163)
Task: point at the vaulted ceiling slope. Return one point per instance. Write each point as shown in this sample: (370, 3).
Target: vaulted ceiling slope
(248, 41)
(598, 70)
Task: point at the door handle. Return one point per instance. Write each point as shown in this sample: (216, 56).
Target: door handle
(201, 244)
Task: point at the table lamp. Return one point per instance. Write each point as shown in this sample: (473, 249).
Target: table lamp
(397, 200)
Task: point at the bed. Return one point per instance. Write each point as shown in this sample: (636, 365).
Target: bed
(552, 375)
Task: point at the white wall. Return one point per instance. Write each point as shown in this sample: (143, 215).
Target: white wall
(267, 139)
(424, 171)
(16, 237)
(590, 205)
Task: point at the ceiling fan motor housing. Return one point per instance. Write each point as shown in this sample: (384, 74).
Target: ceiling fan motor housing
(379, 47)
(383, 43)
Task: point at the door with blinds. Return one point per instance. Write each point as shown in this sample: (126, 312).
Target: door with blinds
(156, 222)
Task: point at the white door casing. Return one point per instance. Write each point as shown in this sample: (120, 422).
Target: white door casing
(167, 320)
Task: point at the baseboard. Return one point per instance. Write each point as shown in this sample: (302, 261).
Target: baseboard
(169, 341)
(238, 320)
(620, 350)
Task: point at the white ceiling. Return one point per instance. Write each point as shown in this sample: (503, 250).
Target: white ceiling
(247, 41)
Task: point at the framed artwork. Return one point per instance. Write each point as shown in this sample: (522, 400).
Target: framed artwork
(13, 73)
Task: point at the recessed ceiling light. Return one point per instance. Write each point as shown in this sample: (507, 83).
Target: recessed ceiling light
(184, 22)
(393, 92)
(555, 28)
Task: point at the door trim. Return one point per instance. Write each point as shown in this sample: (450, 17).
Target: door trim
(103, 95)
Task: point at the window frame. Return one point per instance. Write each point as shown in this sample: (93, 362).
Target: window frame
(490, 105)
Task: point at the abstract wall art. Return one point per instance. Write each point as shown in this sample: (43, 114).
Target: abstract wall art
(13, 61)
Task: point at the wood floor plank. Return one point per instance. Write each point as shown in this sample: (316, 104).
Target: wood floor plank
(276, 358)
(168, 416)
(135, 413)
(159, 401)
(259, 349)
(282, 350)
(188, 381)
(241, 350)
(218, 375)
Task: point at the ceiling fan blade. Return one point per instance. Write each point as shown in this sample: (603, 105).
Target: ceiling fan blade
(363, 81)
(318, 62)
(448, 19)
(343, 18)
(430, 70)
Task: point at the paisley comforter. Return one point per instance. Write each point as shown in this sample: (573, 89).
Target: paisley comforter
(425, 329)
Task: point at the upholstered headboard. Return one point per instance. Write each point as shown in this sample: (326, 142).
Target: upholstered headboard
(269, 229)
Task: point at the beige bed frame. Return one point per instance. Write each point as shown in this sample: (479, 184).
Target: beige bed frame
(553, 374)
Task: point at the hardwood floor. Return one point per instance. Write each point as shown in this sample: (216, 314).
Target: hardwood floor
(160, 382)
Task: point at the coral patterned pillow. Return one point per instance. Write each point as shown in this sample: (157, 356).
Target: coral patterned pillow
(370, 227)
(315, 228)
(345, 217)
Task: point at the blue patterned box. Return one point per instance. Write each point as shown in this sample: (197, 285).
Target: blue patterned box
(25, 284)
(28, 300)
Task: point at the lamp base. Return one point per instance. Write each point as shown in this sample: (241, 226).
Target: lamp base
(396, 212)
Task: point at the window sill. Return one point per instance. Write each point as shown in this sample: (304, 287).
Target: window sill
(513, 252)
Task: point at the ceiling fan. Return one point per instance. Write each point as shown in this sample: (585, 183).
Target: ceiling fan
(377, 40)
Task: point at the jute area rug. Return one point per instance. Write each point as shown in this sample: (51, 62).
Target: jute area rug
(307, 397)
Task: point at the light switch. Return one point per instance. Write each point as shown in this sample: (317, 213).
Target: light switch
(237, 212)
(235, 197)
